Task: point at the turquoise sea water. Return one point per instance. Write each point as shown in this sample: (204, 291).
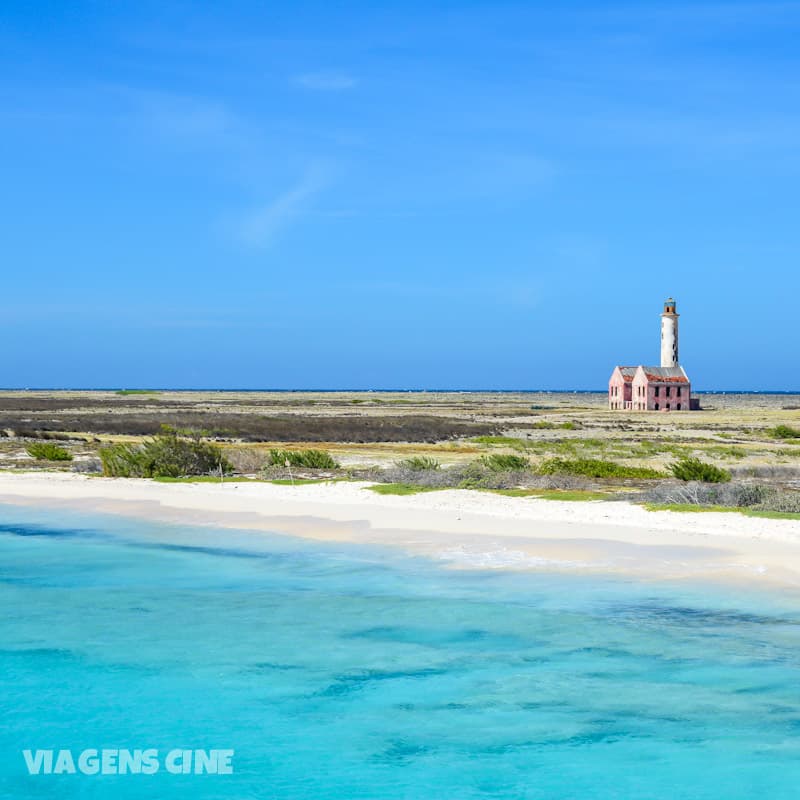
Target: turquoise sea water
(337, 671)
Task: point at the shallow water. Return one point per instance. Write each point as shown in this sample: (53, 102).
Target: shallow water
(337, 671)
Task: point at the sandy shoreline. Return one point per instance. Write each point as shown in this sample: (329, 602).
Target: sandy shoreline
(461, 528)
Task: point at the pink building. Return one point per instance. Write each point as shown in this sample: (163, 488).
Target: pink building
(664, 388)
(649, 389)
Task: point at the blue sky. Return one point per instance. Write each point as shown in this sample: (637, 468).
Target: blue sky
(411, 195)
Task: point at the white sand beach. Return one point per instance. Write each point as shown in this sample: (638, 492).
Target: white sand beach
(463, 529)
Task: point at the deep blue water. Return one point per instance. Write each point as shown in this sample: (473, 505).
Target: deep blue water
(336, 671)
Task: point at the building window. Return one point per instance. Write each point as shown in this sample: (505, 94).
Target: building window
(657, 388)
(656, 406)
(667, 391)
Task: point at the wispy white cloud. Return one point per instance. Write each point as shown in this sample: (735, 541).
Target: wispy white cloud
(259, 227)
(325, 81)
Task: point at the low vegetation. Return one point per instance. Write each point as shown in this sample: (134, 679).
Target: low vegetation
(748, 512)
(503, 441)
(693, 469)
(596, 468)
(419, 463)
(275, 426)
(400, 488)
(698, 495)
(165, 456)
(48, 451)
(545, 425)
(500, 462)
(307, 459)
(576, 495)
(563, 446)
(785, 432)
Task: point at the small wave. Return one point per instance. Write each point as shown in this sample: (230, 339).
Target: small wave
(503, 558)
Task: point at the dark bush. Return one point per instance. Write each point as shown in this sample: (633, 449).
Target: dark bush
(419, 463)
(47, 451)
(499, 462)
(785, 432)
(309, 459)
(122, 461)
(693, 469)
(165, 456)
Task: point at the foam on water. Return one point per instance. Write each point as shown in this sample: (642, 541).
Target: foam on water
(501, 557)
(337, 671)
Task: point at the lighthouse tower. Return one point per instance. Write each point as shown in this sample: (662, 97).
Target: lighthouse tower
(669, 335)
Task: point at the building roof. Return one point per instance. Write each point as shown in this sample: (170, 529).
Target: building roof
(655, 374)
(666, 374)
(628, 373)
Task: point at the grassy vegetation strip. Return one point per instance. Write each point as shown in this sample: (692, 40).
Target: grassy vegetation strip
(502, 441)
(571, 495)
(694, 509)
(595, 468)
(204, 479)
(402, 488)
(303, 481)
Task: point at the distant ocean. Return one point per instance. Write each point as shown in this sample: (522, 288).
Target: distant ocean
(337, 671)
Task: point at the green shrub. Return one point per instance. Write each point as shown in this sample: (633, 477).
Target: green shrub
(310, 459)
(47, 451)
(499, 462)
(693, 469)
(595, 468)
(121, 461)
(164, 456)
(785, 432)
(419, 463)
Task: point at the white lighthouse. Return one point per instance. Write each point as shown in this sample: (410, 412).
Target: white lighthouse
(669, 335)
(664, 388)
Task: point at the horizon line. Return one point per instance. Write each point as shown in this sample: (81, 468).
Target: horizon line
(362, 390)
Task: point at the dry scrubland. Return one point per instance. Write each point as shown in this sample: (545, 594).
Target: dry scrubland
(373, 435)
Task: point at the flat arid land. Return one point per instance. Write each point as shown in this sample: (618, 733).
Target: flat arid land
(489, 480)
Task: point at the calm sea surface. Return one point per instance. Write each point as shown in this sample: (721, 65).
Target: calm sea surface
(336, 671)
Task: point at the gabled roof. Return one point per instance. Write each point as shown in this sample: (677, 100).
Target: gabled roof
(665, 374)
(627, 373)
